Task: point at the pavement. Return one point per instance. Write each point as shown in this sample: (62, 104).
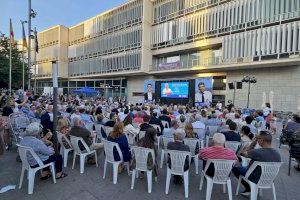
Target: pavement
(91, 185)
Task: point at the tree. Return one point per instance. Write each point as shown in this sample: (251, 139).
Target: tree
(17, 65)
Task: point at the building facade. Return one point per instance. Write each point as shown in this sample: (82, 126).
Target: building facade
(116, 51)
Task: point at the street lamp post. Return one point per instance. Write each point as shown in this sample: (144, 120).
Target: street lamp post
(249, 80)
(55, 97)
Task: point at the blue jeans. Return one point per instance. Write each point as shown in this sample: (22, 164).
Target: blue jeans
(241, 170)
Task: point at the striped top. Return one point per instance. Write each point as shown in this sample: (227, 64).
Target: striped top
(217, 152)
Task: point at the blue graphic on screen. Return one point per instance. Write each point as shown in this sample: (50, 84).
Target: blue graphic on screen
(175, 90)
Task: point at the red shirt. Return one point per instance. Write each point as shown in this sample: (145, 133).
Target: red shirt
(217, 152)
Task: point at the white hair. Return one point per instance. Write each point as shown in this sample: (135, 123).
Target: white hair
(219, 139)
(33, 129)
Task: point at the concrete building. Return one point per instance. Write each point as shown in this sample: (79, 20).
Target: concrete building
(118, 50)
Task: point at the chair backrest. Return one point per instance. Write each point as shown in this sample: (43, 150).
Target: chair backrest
(200, 132)
(295, 149)
(269, 171)
(25, 152)
(142, 134)
(165, 140)
(108, 129)
(141, 157)
(222, 169)
(234, 146)
(99, 128)
(75, 144)
(178, 160)
(157, 127)
(60, 137)
(165, 124)
(109, 150)
(212, 130)
(192, 143)
(90, 126)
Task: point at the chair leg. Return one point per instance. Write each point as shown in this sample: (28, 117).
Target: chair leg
(128, 168)
(209, 188)
(186, 184)
(229, 188)
(104, 168)
(162, 158)
(196, 160)
(65, 158)
(149, 180)
(53, 172)
(82, 158)
(96, 158)
(74, 158)
(115, 173)
(224, 188)
(253, 191)
(290, 160)
(238, 186)
(274, 192)
(201, 181)
(21, 177)
(260, 192)
(31, 175)
(133, 178)
(168, 180)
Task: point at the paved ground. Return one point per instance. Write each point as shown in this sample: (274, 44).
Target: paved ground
(91, 186)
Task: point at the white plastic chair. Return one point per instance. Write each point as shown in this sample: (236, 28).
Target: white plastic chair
(165, 124)
(108, 130)
(98, 128)
(269, 171)
(23, 152)
(177, 168)
(157, 127)
(221, 176)
(234, 146)
(192, 143)
(109, 158)
(164, 140)
(141, 157)
(81, 153)
(63, 150)
(211, 131)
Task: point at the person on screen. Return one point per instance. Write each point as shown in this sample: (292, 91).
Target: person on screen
(149, 95)
(203, 96)
(167, 91)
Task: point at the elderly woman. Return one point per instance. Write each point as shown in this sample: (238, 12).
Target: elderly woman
(46, 154)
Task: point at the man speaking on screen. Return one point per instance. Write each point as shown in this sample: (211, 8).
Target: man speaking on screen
(149, 95)
(203, 97)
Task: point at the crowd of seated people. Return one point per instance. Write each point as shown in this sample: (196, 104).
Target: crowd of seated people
(127, 120)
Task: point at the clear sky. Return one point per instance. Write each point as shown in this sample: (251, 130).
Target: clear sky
(50, 12)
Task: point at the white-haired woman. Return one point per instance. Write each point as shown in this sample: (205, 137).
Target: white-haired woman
(46, 154)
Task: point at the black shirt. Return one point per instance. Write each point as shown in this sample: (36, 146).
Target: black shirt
(7, 110)
(232, 136)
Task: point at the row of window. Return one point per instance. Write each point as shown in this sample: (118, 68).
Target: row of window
(118, 41)
(48, 53)
(106, 64)
(117, 19)
(227, 17)
(279, 39)
(175, 8)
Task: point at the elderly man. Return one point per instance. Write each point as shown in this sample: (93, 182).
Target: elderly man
(264, 154)
(217, 151)
(78, 130)
(46, 154)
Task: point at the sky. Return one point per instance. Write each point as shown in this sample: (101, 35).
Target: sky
(50, 13)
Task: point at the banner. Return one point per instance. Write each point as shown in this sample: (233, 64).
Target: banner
(149, 91)
(203, 91)
(168, 66)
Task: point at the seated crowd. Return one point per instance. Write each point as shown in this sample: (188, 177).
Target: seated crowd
(127, 121)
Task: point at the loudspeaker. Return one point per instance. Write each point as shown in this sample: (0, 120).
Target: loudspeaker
(231, 86)
(239, 85)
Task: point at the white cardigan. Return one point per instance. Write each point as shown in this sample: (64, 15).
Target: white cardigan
(130, 132)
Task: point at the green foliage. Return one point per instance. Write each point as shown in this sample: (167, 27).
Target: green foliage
(17, 65)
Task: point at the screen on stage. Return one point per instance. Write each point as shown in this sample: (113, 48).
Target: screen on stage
(176, 90)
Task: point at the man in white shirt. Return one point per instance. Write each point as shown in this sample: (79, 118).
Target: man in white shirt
(203, 97)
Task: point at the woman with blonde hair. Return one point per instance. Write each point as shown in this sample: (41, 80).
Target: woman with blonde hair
(189, 131)
(117, 136)
(63, 126)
